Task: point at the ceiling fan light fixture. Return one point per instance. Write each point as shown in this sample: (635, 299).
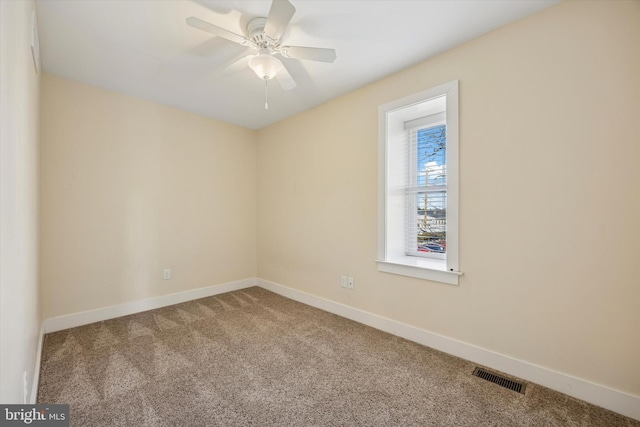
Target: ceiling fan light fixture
(265, 65)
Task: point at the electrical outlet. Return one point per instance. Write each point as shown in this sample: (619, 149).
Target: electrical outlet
(166, 275)
(350, 283)
(343, 281)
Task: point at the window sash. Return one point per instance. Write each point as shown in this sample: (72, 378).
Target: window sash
(430, 247)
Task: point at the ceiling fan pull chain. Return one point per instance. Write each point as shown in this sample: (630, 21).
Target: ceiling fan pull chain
(266, 94)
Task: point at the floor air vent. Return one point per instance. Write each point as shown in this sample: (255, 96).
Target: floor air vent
(501, 381)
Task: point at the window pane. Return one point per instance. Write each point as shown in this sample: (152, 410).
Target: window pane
(432, 205)
(432, 221)
(432, 156)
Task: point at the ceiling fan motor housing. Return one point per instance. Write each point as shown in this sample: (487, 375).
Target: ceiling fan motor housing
(258, 39)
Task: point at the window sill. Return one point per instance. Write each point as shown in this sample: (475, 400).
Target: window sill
(421, 268)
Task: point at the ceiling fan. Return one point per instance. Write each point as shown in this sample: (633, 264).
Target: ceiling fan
(264, 36)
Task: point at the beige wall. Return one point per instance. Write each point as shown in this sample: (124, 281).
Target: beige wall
(19, 291)
(131, 187)
(549, 202)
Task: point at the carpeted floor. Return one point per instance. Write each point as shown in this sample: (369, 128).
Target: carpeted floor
(254, 358)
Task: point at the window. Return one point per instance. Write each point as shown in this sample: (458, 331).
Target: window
(418, 185)
(427, 188)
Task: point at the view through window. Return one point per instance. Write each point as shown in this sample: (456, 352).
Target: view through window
(430, 201)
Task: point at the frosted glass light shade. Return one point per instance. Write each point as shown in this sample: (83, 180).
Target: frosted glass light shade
(265, 66)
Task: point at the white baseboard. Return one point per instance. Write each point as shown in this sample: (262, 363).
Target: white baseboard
(36, 370)
(84, 318)
(614, 400)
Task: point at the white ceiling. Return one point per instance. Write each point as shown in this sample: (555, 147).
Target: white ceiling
(144, 48)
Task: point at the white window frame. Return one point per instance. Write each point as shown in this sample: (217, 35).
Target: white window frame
(392, 235)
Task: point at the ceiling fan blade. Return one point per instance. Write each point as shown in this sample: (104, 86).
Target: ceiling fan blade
(310, 53)
(217, 31)
(280, 14)
(236, 65)
(285, 79)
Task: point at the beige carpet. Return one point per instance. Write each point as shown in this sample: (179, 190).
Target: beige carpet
(254, 358)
